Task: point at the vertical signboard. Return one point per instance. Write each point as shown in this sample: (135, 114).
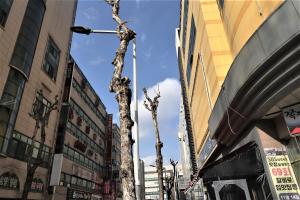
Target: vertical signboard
(68, 83)
(282, 174)
(108, 139)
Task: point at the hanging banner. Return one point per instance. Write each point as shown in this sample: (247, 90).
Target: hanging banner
(282, 173)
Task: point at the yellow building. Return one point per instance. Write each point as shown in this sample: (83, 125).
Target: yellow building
(229, 52)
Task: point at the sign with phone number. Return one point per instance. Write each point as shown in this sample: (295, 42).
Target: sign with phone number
(283, 177)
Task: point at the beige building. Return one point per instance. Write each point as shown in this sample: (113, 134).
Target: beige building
(240, 88)
(34, 49)
(80, 140)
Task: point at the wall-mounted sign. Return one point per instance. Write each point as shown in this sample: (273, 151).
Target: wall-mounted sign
(292, 119)
(282, 173)
(78, 195)
(37, 185)
(9, 181)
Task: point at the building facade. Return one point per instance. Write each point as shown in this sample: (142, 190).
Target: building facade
(34, 49)
(80, 142)
(242, 91)
(151, 181)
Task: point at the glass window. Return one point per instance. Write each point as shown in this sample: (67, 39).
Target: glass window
(191, 50)
(12, 147)
(4, 11)
(26, 43)
(67, 178)
(74, 180)
(51, 59)
(76, 156)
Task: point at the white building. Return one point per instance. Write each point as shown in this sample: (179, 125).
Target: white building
(185, 157)
(151, 181)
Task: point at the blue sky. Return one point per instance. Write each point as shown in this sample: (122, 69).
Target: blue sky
(154, 22)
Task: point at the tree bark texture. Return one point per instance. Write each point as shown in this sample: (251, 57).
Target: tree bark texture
(120, 86)
(152, 107)
(33, 163)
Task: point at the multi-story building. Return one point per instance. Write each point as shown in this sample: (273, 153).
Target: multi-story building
(185, 155)
(34, 49)
(151, 181)
(80, 140)
(239, 66)
(116, 160)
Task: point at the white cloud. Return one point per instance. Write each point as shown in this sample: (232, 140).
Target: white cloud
(149, 160)
(97, 61)
(148, 53)
(168, 108)
(143, 37)
(90, 13)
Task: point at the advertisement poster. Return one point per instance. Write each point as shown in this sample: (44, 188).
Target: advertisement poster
(282, 174)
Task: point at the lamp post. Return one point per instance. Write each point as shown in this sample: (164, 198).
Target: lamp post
(136, 157)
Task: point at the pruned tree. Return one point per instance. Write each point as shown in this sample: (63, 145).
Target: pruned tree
(169, 184)
(41, 115)
(152, 107)
(173, 163)
(120, 86)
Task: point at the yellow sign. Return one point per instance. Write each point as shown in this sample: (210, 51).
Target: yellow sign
(283, 177)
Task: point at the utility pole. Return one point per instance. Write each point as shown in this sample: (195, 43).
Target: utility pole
(135, 129)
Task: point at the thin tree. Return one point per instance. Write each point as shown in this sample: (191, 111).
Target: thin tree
(173, 163)
(169, 184)
(120, 86)
(152, 107)
(41, 115)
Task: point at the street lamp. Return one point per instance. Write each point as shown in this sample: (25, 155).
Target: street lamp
(87, 31)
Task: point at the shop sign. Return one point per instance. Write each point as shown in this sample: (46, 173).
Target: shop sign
(207, 149)
(78, 195)
(9, 181)
(282, 173)
(292, 119)
(37, 185)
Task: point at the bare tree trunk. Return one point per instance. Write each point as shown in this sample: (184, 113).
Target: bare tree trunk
(34, 163)
(120, 86)
(159, 159)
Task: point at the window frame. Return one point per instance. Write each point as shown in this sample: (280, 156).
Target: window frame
(51, 40)
(2, 25)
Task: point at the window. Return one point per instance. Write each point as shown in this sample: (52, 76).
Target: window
(40, 106)
(4, 10)
(51, 59)
(185, 16)
(221, 4)
(191, 50)
(18, 148)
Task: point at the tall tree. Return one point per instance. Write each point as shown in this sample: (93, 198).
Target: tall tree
(152, 107)
(41, 114)
(120, 86)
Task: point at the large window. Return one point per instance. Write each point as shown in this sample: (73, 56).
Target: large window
(51, 59)
(18, 148)
(185, 16)
(28, 36)
(191, 50)
(4, 11)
